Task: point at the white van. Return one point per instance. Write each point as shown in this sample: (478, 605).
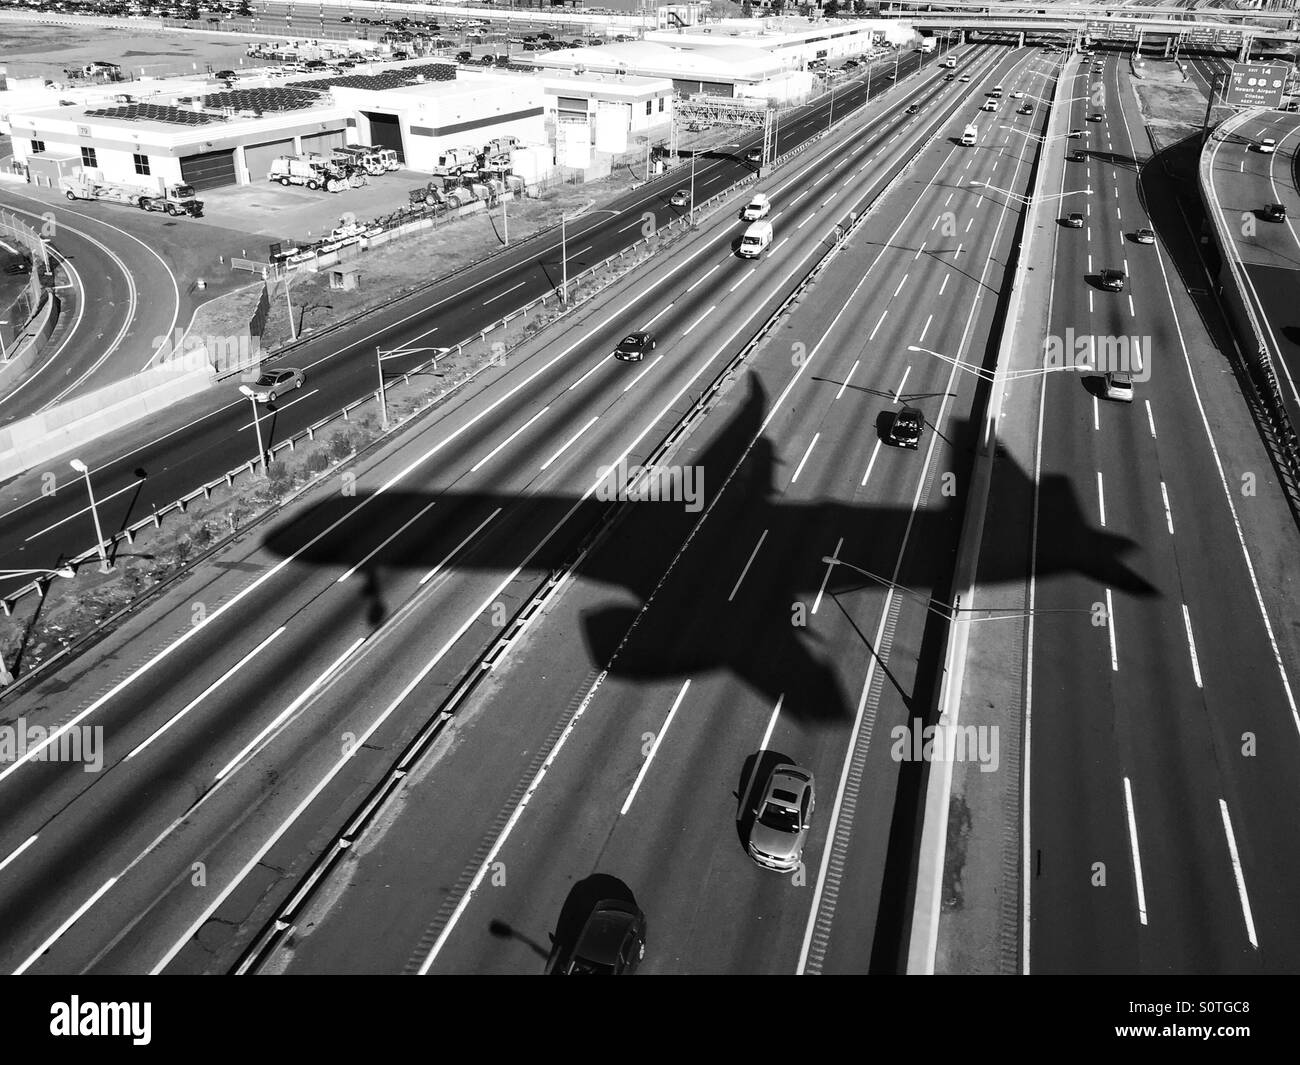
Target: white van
(757, 208)
(757, 236)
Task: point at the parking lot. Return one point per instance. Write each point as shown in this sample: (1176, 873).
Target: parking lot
(295, 213)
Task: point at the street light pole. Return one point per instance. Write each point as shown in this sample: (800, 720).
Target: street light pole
(564, 263)
(293, 328)
(105, 566)
(383, 396)
(691, 215)
(257, 426)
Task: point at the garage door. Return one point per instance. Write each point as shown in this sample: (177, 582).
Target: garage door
(210, 170)
(258, 157)
(323, 142)
(386, 132)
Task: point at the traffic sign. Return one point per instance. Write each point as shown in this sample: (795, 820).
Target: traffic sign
(1256, 85)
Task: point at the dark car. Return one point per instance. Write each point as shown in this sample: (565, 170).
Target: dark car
(611, 943)
(754, 155)
(1077, 156)
(1275, 212)
(464, 57)
(1025, 109)
(632, 348)
(1112, 280)
(545, 37)
(906, 427)
(949, 77)
(913, 108)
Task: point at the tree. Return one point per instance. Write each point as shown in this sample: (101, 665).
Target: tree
(747, 9)
(831, 8)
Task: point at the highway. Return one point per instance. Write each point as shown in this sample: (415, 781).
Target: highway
(637, 748)
(1154, 842)
(1246, 180)
(117, 294)
(231, 742)
(203, 438)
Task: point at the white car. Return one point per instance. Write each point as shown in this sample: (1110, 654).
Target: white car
(1119, 386)
(1267, 146)
(989, 106)
(273, 384)
(1017, 96)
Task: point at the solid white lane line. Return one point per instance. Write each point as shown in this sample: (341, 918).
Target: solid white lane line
(1169, 515)
(502, 295)
(658, 314)
(54, 936)
(1191, 646)
(388, 540)
(1238, 874)
(827, 575)
(653, 363)
(849, 378)
(702, 278)
(752, 555)
(564, 447)
(497, 450)
(743, 279)
(771, 723)
(589, 373)
(1137, 857)
(17, 851)
(645, 766)
(698, 320)
(871, 462)
(291, 709)
(898, 392)
(208, 691)
(455, 550)
(1110, 628)
(799, 469)
(1101, 499)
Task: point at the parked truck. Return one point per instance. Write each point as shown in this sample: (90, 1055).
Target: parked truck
(174, 199)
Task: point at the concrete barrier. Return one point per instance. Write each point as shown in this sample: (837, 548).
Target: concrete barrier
(30, 343)
(38, 439)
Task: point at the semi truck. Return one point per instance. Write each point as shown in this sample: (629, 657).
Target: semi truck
(174, 199)
(927, 44)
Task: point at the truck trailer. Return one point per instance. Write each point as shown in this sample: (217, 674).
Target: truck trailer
(174, 199)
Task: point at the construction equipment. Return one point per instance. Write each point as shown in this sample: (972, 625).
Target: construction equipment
(313, 171)
(85, 184)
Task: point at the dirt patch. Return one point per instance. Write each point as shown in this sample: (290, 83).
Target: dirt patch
(1173, 110)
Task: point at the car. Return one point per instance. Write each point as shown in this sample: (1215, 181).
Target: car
(913, 108)
(464, 57)
(1111, 280)
(1144, 236)
(1077, 156)
(515, 40)
(1025, 109)
(347, 18)
(632, 348)
(1096, 116)
(275, 383)
(611, 943)
(1275, 212)
(226, 75)
(1074, 221)
(487, 59)
(680, 198)
(1119, 386)
(989, 105)
(964, 77)
(850, 63)
(1017, 96)
(949, 77)
(892, 77)
(545, 36)
(905, 428)
(1267, 146)
(782, 818)
(754, 155)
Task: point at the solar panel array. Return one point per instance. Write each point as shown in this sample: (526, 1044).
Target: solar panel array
(156, 113)
(272, 98)
(386, 79)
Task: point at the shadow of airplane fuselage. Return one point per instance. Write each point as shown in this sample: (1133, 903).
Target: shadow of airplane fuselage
(789, 657)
